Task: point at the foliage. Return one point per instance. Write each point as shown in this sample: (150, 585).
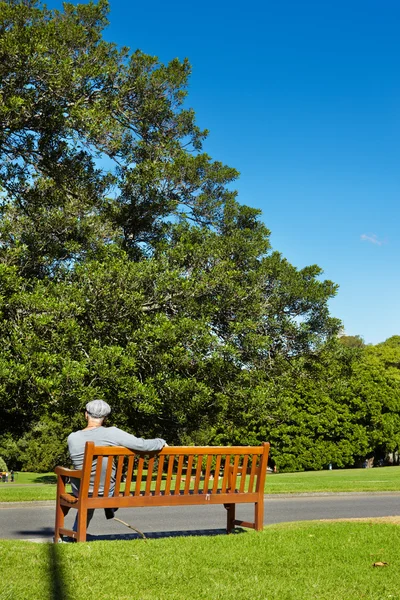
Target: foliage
(129, 270)
(3, 466)
(376, 384)
(68, 97)
(352, 341)
(9, 449)
(168, 349)
(336, 406)
(45, 446)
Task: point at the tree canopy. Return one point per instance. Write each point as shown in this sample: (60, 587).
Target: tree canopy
(130, 271)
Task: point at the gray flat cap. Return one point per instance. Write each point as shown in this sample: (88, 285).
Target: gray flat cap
(98, 409)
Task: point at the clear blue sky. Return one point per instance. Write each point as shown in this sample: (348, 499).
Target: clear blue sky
(303, 98)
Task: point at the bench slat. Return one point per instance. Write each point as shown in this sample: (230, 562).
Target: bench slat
(172, 500)
(97, 478)
(159, 475)
(118, 474)
(178, 475)
(233, 474)
(188, 474)
(198, 474)
(107, 482)
(254, 461)
(207, 474)
(177, 450)
(225, 478)
(129, 474)
(149, 475)
(171, 459)
(139, 476)
(216, 474)
(243, 473)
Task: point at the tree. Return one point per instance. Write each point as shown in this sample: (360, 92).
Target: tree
(352, 341)
(376, 383)
(69, 98)
(167, 340)
(337, 407)
(128, 268)
(308, 412)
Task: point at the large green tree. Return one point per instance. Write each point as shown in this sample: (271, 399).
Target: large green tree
(68, 100)
(376, 384)
(128, 269)
(338, 407)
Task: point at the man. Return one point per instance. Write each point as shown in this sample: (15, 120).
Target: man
(96, 412)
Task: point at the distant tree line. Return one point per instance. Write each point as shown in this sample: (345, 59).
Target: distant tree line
(129, 271)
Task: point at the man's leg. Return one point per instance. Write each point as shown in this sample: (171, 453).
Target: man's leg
(109, 512)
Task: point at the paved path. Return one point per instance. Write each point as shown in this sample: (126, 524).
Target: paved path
(35, 520)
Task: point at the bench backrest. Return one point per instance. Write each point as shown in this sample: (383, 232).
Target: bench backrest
(175, 470)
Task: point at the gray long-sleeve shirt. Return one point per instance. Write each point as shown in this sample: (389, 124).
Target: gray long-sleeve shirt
(105, 436)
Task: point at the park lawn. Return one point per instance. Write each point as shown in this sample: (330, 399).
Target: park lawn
(296, 561)
(29, 487)
(37, 478)
(379, 479)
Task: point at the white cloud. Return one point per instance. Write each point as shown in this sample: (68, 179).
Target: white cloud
(372, 238)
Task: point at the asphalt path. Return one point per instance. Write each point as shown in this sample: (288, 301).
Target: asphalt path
(35, 520)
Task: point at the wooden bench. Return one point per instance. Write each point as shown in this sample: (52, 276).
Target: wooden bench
(174, 476)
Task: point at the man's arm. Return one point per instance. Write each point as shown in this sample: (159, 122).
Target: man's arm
(119, 437)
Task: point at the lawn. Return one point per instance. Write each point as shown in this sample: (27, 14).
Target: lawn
(40, 486)
(29, 487)
(378, 479)
(297, 561)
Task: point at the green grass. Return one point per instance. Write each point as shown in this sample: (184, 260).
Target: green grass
(383, 479)
(29, 487)
(379, 479)
(29, 494)
(298, 561)
(31, 478)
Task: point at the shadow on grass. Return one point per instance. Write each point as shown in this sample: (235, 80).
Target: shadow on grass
(45, 479)
(156, 535)
(47, 533)
(58, 587)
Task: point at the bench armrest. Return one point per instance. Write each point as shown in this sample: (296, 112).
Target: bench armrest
(68, 472)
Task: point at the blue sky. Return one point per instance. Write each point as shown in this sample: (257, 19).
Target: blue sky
(303, 98)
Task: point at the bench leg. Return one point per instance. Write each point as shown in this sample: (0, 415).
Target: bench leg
(81, 525)
(61, 511)
(259, 516)
(230, 517)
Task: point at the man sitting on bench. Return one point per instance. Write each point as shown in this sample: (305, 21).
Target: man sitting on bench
(96, 412)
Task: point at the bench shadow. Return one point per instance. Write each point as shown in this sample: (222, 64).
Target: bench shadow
(156, 535)
(47, 533)
(42, 533)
